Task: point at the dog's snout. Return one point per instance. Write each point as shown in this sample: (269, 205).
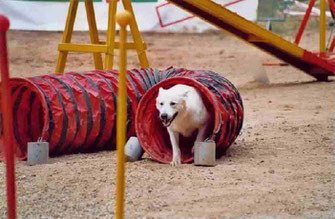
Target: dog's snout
(164, 116)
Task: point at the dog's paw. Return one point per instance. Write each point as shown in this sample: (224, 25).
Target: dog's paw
(175, 161)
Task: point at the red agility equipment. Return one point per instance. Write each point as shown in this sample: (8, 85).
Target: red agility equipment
(4, 23)
(7, 120)
(76, 112)
(221, 99)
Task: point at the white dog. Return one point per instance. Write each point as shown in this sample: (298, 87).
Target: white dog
(182, 111)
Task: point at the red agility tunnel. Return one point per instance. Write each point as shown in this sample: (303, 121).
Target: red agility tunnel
(74, 112)
(221, 99)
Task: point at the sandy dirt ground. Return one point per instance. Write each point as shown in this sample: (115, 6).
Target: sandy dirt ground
(282, 164)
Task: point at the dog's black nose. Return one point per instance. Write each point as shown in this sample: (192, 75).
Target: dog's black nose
(164, 116)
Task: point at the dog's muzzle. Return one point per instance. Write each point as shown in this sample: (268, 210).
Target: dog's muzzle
(167, 121)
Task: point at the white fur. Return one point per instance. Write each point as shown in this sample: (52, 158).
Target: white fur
(191, 114)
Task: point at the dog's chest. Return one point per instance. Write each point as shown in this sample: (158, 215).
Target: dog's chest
(185, 128)
(186, 132)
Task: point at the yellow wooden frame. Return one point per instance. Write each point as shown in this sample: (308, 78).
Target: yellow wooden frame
(97, 47)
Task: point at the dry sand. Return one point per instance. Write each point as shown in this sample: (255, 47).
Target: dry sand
(281, 165)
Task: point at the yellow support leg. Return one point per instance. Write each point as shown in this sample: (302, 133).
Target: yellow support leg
(322, 26)
(67, 34)
(109, 59)
(93, 32)
(142, 56)
(123, 20)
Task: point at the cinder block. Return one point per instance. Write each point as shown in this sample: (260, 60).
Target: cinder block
(38, 153)
(204, 153)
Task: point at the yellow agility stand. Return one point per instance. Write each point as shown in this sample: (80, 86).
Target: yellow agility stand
(123, 19)
(97, 47)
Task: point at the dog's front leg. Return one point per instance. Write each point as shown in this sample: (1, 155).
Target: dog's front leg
(201, 135)
(174, 138)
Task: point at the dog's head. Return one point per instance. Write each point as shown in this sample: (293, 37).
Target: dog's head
(170, 104)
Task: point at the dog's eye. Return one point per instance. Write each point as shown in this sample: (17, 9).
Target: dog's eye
(172, 103)
(161, 103)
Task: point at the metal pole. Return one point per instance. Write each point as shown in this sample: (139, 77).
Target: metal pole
(332, 7)
(304, 22)
(7, 120)
(123, 19)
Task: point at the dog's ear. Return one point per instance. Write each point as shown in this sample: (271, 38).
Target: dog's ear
(161, 90)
